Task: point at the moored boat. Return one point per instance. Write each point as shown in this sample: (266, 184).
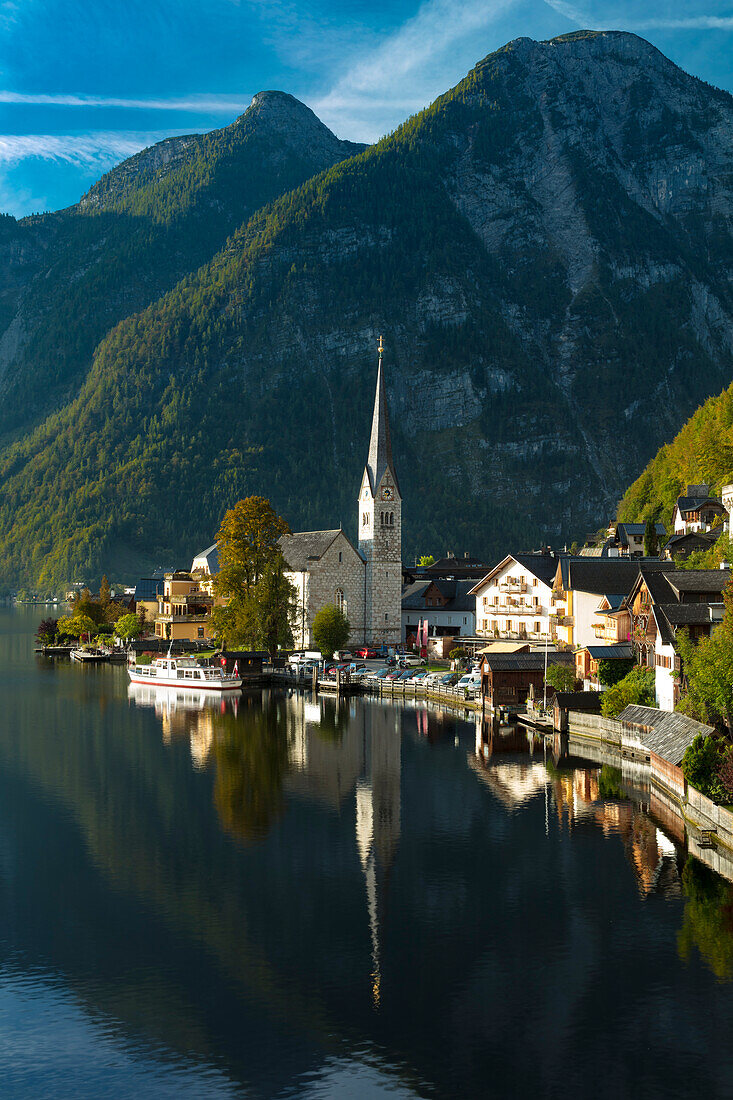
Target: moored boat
(183, 672)
(92, 655)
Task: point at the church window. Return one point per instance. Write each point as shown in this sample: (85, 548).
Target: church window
(391, 519)
(386, 617)
(341, 556)
(340, 601)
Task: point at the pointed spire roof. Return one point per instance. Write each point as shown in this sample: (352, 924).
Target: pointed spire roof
(380, 444)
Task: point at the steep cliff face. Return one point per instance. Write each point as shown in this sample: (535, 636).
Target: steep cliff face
(548, 252)
(68, 278)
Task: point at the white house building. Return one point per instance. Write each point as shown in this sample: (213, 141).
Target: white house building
(696, 510)
(514, 600)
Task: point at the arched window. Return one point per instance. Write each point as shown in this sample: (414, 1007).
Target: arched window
(381, 519)
(340, 601)
(391, 519)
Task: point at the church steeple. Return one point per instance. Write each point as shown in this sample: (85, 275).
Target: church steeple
(380, 444)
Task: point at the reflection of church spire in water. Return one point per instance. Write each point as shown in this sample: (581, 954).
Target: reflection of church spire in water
(378, 819)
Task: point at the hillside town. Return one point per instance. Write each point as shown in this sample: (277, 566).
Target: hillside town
(622, 601)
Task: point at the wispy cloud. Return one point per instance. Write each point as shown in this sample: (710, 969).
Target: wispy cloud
(410, 67)
(619, 21)
(224, 103)
(98, 148)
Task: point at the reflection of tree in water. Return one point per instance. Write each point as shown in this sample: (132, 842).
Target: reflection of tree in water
(708, 918)
(251, 758)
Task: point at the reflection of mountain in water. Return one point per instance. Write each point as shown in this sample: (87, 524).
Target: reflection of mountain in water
(265, 958)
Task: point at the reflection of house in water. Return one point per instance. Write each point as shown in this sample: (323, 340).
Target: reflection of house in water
(329, 759)
(514, 781)
(578, 797)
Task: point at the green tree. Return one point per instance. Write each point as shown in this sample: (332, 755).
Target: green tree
(128, 626)
(248, 541)
(77, 625)
(458, 653)
(331, 630)
(426, 559)
(651, 539)
(610, 672)
(277, 601)
(561, 677)
(105, 594)
(708, 672)
(702, 764)
(636, 687)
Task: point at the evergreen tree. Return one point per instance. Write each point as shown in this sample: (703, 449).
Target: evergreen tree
(651, 539)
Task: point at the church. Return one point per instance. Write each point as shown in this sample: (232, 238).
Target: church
(365, 581)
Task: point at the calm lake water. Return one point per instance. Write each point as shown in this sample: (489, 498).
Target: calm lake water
(276, 899)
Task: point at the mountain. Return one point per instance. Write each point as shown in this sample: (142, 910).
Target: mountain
(71, 277)
(547, 250)
(702, 451)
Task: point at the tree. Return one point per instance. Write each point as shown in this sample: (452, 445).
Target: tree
(458, 653)
(561, 677)
(276, 600)
(701, 766)
(610, 672)
(248, 542)
(636, 687)
(651, 539)
(128, 626)
(425, 560)
(77, 625)
(47, 631)
(331, 630)
(105, 594)
(708, 672)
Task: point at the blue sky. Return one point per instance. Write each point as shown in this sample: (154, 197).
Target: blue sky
(85, 83)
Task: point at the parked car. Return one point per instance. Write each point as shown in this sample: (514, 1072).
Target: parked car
(449, 679)
(367, 653)
(410, 660)
(394, 674)
(421, 674)
(380, 674)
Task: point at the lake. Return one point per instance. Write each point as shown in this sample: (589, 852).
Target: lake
(276, 897)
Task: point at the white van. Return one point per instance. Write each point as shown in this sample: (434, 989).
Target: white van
(470, 682)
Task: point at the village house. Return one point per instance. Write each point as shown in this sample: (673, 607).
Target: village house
(446, 605)
(506, 678)
(679, 547)
(184, 607)
(697, 510)
(587, 594)
(628, 538)
(514, 599)
(588, 659)
(661, 604)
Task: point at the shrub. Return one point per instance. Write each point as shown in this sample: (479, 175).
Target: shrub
(636, 687)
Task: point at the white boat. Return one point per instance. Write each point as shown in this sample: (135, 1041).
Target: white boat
(183, 672)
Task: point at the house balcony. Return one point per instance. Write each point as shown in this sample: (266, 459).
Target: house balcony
(562, 620)
(513, 586)
(183, 618)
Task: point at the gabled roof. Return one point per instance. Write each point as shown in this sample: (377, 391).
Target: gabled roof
(543, 566)
(601, 576)
(454, 592)
(698, 580)
(302, 548)
(662, 731)
(694, 537)
(380, 443)
(514, 662)
(694, 503)
(620, 651)
(211, 556)
(639, 528)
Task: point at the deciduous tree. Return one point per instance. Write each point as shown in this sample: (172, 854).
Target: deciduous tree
(331, 630)
(636, 687)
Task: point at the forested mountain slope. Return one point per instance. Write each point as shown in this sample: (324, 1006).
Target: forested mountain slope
(66, 279)
(547, 250)
(701, 452)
